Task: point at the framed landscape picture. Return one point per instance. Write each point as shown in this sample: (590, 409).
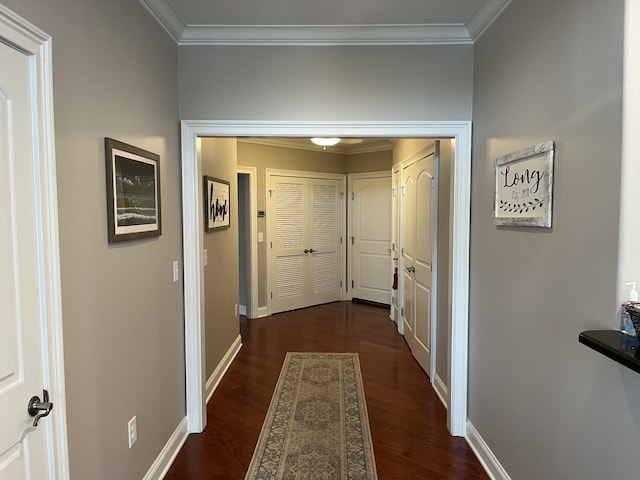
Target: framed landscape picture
(217, 204)
(133, 192)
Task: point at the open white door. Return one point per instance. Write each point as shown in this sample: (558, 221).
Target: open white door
(420, 234)
(32, 445)
(370, 236)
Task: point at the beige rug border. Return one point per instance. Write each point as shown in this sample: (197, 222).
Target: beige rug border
(264, 431)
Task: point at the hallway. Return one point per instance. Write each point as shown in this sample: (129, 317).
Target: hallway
(408, 421)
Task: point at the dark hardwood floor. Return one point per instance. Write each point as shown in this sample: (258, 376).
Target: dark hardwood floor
(408, 421)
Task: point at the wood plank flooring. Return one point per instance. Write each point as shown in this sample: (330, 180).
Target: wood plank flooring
(408, 421)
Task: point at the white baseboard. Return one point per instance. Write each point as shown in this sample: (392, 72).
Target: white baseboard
(488, 460)
(221, 369)
(168, 454)
(262, 312)
(243, 310)
(441, 390)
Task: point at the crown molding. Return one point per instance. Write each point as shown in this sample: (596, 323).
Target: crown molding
(167, 16)
(484, 16)
(324, 35)
(170, 19)
(305, 144)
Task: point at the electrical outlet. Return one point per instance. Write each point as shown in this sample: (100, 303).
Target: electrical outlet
(132, 428)
(260, 236)
(235, 310)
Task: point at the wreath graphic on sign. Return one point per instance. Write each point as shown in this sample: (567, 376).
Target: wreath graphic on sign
(523, 207)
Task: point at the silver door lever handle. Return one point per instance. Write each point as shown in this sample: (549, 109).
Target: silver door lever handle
(411, 269)
(39, 409)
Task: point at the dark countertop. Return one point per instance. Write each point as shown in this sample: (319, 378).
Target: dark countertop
(622, 348)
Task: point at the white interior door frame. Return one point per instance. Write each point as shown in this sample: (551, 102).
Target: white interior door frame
(193, 238)
(16, 31)
(253, 239)
(350, 226)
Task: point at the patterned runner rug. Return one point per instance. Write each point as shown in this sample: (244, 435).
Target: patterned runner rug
(317, 426)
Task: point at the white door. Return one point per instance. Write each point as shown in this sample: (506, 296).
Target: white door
(396, 181)
(24, 448)
(305, 251)
(420, 225)
(370, 240)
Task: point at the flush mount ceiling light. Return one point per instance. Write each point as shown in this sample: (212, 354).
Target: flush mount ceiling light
(325, 142)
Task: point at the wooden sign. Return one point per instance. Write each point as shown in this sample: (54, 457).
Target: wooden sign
(523, 187)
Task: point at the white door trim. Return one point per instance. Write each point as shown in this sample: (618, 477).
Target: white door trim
(16, 31)
(193, 237)
(350, 178)
(253, 236)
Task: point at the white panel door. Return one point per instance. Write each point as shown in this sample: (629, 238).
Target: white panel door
(419, 236)
(408, 249)
(396, 180)
(371, 238)
(305, 216)
(23, 448)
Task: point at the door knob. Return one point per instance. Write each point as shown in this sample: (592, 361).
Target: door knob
(411, 269)
(306, 250)
(39, 409)
(311, 250)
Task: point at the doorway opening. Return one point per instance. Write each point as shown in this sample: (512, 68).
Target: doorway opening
(193, 238)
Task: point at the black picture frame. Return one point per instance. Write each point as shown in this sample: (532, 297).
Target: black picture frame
(133, 192)
(217, 204)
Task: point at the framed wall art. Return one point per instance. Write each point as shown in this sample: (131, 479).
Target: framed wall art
(217, 205)
(133, 192)
(524, 187)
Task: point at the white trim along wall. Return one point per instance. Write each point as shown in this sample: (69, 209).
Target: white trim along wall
(193, 239)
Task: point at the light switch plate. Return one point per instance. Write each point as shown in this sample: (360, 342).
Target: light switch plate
(176, 271)
(260, 236)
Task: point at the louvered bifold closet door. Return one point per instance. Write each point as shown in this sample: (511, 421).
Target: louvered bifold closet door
(290, 268)
(325, 234)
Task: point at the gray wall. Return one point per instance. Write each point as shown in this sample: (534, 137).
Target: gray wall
(547, 406)
(221, 275)
(326, 83)
(115, 75)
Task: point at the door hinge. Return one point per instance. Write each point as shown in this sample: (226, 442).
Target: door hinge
(270, 244)
(352, 284)
(341, 195)
(402, 312)
(433, 182)
(404, 191)
(402, 252)
(272, 295)
(271, 193)
(340, 283)
(340, 240)
(353, 195)
(353, 239)
(393, 192)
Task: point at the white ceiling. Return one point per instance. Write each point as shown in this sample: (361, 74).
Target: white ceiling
(325, 22)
